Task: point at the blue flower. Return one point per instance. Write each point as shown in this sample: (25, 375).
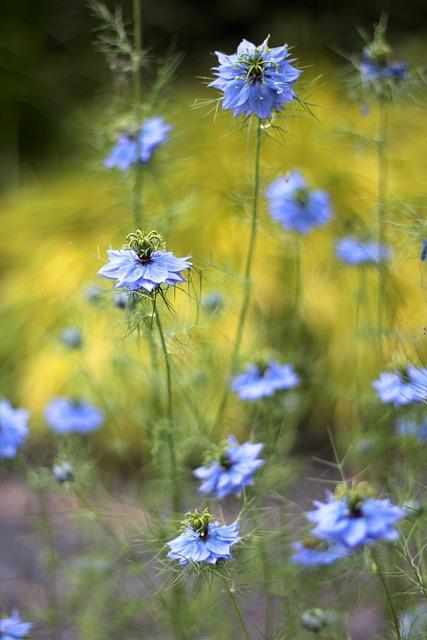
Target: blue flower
(402, 387)
(356, 252)
(260, 381)
(423, 255)
(13, 429)
(204, 540)
(317, 553)
(213, 301)
(256, 80)
(413, 623)
(295, 205)
(73, 416)
(353, 521)
(63, 472)
(72, 338)
(93, 294)
(376, 65)
(407, 427)
(232, 471)
(144, 265)
(138, 146)
(13, 628)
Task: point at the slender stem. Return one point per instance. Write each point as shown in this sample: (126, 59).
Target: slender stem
(175, 484)
(387, 593)
(382, 207)
(247, 281)
(267, 573)
(236, 608)
(137, 96)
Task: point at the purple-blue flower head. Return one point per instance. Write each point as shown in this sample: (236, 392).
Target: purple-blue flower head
(144, 264)
(357, 252)
(138, 146)
(354, 521)
(13, 429)
(256, 80)
(295, 205)
(73, 416)
(231, 470)
(402, 387)
(204, 540)
(377, 66)
(314, 553)
(410, 427)
(262, 381)
(13, 628)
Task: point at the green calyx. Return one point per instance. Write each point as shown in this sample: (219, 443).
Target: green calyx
(144, 244)
(199, 521)
(301, 196)
(379, 51)
(355, 495)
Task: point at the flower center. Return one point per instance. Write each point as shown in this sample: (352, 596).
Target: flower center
(403, 374)
(144, 244)
(199, 521)
(225, 461)
(301, 196)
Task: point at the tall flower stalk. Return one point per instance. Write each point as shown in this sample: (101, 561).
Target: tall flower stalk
(382, 134)
(393, 613)
(137, 96)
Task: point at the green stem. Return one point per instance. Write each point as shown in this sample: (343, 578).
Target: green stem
(247, 281)
(382, 207)
(392, 608)
(51, 564)
(137, 96)
(175, 484)
(267, 574)
(236, 608)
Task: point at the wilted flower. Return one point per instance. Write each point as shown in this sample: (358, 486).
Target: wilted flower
(357, 252)
(144, 264)
(261, 381)
(204, 540)
(315, 552)
(403, 386)
(410, 427)
(72, 338)
(138, 146)
(63, 472)
(295, 205)
(354, 520)
(231, 470)
(314, 620)
(13, 429)
(13, 628)
(256, 80)
(73, 416)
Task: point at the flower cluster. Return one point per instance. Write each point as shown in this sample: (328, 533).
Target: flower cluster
(357, 252)
(263, 380)
(231, 470)
(13, 429)
(296, 206)
(204, 540)
(138, 146)
(256, 80)
(405, 386)
(144, 265)
(73, 416)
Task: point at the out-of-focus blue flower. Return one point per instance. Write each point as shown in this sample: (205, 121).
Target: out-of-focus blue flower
(93, 293)
(204, 540)
(72, 337)
(357, 252)
(232, 470)
(402, 387)
(316, 553)
(295, 205)
(138, 146)
(144, 265)
(376, 65)
(13, 429)
(73, 416)
(263, 381)
(413, 623)
(423, 255)
(213, 301)
(121, 300)
(13, 628)
(353, 521)
(408, 427)
(63, 472)
(256, 80)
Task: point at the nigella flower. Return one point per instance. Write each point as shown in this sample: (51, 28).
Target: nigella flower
(13, 628)
(357, 252)
(403, 386)
(261, 381)
(138, 146)
(313, 553)
(413, 623)
(72, 338)
(295, 205)
(73, 416)
(63, 472)
(378, 66)
(144, 264)
(231, 470)
(408, 427)
(204, 540)
(353, 520)
(423, 255)
(256, 80)
(13, 429)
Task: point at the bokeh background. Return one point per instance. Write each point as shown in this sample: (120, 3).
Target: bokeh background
(60, 209)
